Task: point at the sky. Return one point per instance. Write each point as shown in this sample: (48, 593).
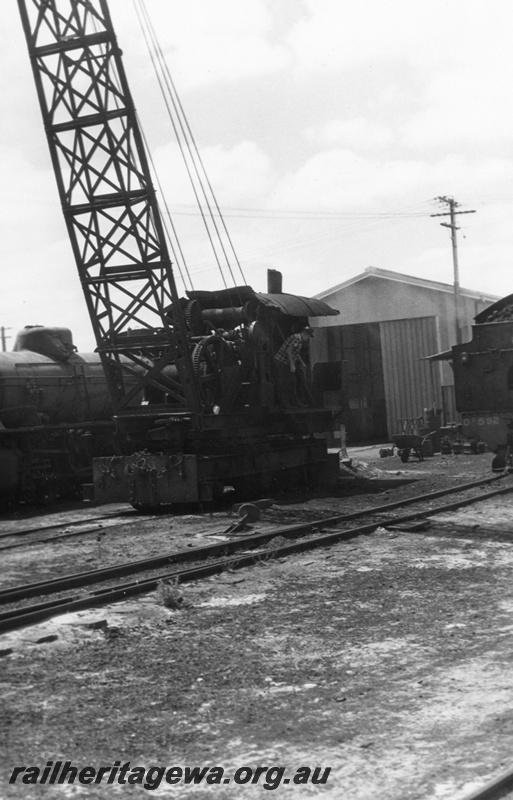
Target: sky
(327, 128)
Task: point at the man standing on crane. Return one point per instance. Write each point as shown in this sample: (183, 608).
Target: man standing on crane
(288, 365)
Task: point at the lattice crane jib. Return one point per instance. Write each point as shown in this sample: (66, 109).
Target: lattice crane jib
(108, 200)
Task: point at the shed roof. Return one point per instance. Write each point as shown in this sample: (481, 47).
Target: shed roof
(398, 277)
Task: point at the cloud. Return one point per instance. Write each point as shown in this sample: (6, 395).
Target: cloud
(463, 108)
(239, 176)
(40, 283)
(207, 42)
(359, 133)
(40, 286)
(340, 179)
(434, 34)
(31, 204)
(430, 75)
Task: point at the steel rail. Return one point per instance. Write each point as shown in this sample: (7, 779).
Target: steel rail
(18, 618)
(98, 528)
(490, 791)
(55, 525)
(76, 580)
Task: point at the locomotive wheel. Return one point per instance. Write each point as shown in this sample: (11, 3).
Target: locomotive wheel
(217, 370)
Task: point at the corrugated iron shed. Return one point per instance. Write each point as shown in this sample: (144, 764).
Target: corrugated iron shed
(389, 275)
(417, 326)
(409, 384)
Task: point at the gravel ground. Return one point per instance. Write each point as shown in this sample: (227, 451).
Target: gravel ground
(387, 658)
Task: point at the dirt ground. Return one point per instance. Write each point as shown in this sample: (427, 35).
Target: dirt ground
(387, 658)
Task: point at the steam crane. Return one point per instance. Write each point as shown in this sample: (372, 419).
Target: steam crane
(190, 378)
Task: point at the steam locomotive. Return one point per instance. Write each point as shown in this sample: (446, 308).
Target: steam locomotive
(483, 377)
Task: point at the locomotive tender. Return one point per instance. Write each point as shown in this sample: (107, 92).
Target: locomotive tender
(483, 377)
(55, 415)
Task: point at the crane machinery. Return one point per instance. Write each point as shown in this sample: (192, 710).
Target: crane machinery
(203, 362)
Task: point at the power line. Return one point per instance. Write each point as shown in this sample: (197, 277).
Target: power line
(269, 213)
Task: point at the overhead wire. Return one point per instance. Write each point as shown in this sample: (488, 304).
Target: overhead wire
(287, 213)
(254, 213)
(361, 226)
(293, 244)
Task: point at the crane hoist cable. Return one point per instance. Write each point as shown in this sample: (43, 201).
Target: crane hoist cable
(169, 228)
(192, 159)
(218, 234)
(167, 222)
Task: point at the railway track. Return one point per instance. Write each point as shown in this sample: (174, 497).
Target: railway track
(72, 529)
(67, 523)
(216, 558)
(102, 522)
(499, 788)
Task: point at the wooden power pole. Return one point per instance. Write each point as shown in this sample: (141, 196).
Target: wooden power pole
(453, 205)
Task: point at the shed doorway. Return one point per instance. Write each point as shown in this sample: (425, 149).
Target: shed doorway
(352, 379)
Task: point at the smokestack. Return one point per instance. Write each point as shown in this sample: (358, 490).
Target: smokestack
(274, 281)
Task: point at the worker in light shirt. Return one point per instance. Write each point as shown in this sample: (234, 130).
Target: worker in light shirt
(287, 363)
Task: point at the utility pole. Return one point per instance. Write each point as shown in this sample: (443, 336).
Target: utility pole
(453, 205)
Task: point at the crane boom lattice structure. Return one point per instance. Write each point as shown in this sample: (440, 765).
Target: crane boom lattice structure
(108, 200)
